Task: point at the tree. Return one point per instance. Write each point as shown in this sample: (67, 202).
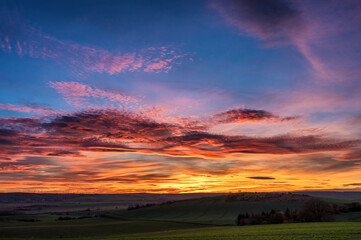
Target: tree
(277, 217)
(317, 210)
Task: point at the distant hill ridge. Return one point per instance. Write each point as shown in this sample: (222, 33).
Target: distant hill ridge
(74, 197)
(266, 196)
(156, 198)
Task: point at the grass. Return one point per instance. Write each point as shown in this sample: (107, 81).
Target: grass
(336, 201)
(86, 228)
(132, 230)
(349, 217)
(214, 210)
(195, 219)
(296, 231)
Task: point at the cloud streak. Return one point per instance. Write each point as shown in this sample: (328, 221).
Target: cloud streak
(307, 25)
(23, 40)
(269, 20)
(262, 178)
(75, 93)
(30, 108)
(241, 115)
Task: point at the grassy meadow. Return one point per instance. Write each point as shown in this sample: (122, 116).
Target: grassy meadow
(295, 231)
(199, 218)
(152, 230)
(212, 210)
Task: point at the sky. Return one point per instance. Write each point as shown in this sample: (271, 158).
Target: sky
(180, 96)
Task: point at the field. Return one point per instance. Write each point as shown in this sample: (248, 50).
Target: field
(283, 231)
(98, 228)
(296, 231)
(212, 210)
(199, 218)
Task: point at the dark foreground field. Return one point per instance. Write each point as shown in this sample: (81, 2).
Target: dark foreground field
(200, 218)
(127, 231)
(296, 231)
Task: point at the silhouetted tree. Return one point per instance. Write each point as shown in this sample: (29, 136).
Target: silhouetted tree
(287, 213)
(317, 210)
(354, 206)
(277, 217)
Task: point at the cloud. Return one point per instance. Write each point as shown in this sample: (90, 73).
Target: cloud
(262, 178)
(240, 115)
(353, 155)
(113, 130)
(27, 163)
(77, 93)
(314, 28)
(352, 184)
(21, 39)
(210, 145)
(30, 108)
(267, 19)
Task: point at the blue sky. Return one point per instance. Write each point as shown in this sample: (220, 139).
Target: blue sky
(226, 88)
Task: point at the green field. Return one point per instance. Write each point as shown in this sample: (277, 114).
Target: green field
(213, 210)
(85, 228)
(203, 218)
(295, 231)
(128, 231)
(349, 217)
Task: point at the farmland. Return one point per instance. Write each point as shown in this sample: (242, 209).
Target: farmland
(296, 231)
(210, 217)
(214, 210)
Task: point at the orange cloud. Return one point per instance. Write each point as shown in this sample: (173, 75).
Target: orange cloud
(101, 150)
(240, 115)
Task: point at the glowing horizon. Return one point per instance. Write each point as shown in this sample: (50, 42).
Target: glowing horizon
(180, 96)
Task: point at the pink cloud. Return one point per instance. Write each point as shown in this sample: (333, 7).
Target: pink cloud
(84, 59)
(28, 109)
(242, 115)
(75, 93)
(316, 29)
(156, 66)
(76, 89)
(165, 62)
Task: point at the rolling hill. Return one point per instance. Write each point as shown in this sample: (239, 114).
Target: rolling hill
(211, 210)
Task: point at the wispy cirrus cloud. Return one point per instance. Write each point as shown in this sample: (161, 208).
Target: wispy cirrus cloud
(29, 108)
(77, 93)
(274, 20)
(24, 40)
(307, 25)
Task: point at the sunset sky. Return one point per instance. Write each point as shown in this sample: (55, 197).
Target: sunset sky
(180, 96)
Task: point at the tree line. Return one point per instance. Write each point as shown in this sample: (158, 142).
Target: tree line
(314, 210)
